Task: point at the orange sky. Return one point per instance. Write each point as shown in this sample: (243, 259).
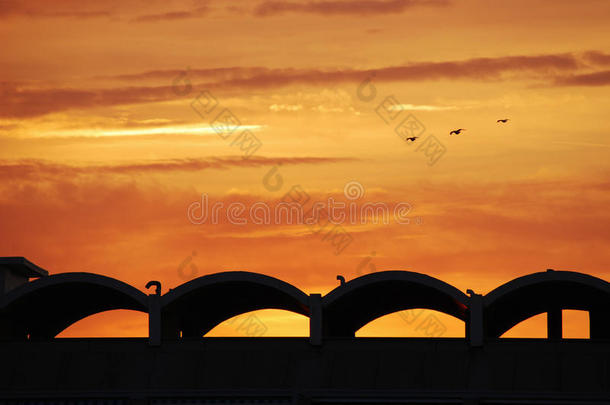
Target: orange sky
(101, 151)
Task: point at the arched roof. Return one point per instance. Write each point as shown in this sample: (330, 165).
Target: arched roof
(537, 293)
(199, 305)
(48, 305)
(352, 305)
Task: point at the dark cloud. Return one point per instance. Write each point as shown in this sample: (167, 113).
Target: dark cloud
(588, 79)
(220, 73)
(19, 102)
(597, 58)
(175, 15)
(474, 69)
(469, 68)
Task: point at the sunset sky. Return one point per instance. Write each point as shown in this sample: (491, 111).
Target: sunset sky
(104, 146)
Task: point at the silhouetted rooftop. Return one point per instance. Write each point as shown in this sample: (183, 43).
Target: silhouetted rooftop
(22, 266)
(177, 362)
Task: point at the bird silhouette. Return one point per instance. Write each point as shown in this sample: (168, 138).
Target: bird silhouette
(412, 138)
(457, 131)
(504, 120)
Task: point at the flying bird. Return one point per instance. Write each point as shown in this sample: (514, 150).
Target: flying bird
(412, 138)
(505, 120)
(457, 131)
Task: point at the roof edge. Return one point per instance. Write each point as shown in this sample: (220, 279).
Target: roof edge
(22, 266)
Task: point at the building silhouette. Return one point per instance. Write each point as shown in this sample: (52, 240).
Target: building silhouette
(175, 364)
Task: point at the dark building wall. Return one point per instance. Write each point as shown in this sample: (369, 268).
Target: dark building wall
(292, 370)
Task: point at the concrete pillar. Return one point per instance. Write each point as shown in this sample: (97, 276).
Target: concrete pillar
(554, 323)
(154, 320)
(154, 314)
(315, 319)
(475, 325)
(599, 324)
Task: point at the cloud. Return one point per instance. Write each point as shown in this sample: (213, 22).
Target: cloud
(474, 69)
(129, 9)
(19, 100)
(55, 9)
(285, 107)
(587, 79)
(413, 107)
(142, 131)
(40, 169)
(119, 228)
(219, 73)
(598, 58)
(8, 127)
(172, 16)
(332, 8)
(468, 68)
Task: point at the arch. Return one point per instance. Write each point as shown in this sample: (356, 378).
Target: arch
(549, 291)
(46, 306)
(115, 323)
(415, 322)
(263, 323)
(534, 327)
(349, 307)
(196, 307)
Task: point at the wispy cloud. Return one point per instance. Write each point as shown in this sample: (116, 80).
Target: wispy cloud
(587, 79)
(598, 58)
(422, 107)
(57, 9)
(144, 131)
(18, 100)
(475, 68)
(285, 107)
(173, 15)
(40, 169)
(330, 8)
